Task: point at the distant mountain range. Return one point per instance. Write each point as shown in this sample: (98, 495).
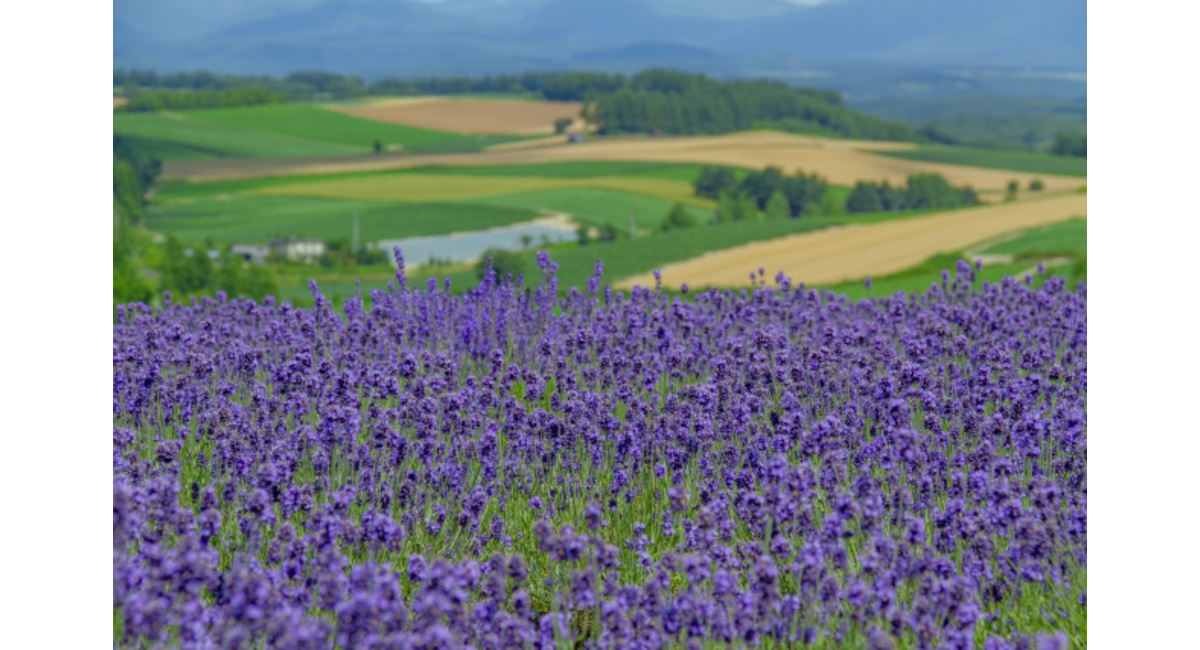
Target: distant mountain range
(789, 39)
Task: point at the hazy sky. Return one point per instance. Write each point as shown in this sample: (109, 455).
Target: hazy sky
(176, 19)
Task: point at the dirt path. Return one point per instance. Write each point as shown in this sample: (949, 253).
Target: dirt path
(860, 251)
(843, 162)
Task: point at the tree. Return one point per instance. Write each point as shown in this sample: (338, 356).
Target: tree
(726, 205)
(746, 208)
(802, 190)
(1067, 144)
(503, 263)
(128, 283)
(714, 180)
(1011, 192)
(926, 191)
(865, 197)
(777, 206)
(678, 217)
(378, 147)
(762, 185)
(1036, 185)
(561, 125)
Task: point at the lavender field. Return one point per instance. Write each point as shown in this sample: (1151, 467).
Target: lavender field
(519, 467)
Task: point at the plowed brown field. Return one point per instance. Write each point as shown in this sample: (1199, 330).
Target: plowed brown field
(842, 162)
(868, 250)
(482, 116)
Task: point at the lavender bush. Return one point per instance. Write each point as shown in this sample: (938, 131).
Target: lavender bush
(506, 468)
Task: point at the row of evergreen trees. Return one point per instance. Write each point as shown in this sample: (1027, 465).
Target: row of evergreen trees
(672, 102)
(1068, 144)
(769, 191)
(921, 192)
(315, 84)
(183, 100)
(652, 101)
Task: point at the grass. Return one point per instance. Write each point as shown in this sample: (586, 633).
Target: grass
(1068, 238)
(580, 169)
(595, 207)
(1022, 161)
(281, 131)
(1066, 242)
(247, 219)
(180, 189)
(313, 123)
(419, 187)
(176, 135)
(621, 259)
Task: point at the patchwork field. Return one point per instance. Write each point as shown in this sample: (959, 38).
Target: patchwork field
(281, 131)
(420, 187)
(842, 162)
(474, 116)
(248, 219)
(1025, 161)
(595, 207)
(175, 136)
(859, 251)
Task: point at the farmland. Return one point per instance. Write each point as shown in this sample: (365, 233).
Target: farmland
(843, 162)
(481, 116)
(836, 255)
(281, 131)
(403, 201)
(243, 219)
(591, 454)
(998, 159)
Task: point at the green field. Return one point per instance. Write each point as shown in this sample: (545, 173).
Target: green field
(1021, 161)
(313, 123)
(1015, 161)
(1064, 245)
(595, 207)
(1066, 239)
(175, 135)
(281, 131)
(578, 169)
(177, 189)
(254, 219)
(418, 187)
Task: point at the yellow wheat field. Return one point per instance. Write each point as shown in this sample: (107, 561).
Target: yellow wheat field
(865, 250)
(843, 162)
(476, 116)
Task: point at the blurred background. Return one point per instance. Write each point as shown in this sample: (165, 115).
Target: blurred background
(261, 144)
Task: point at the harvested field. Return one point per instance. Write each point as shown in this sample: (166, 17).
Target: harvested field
(860, 251)
(118, 102)
(475, 116)
(842, 162)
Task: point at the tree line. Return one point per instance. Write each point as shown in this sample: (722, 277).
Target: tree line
(315, 84)
(191, 99)
(769, 192)
(921, 192)
(1069, 144)
(670, 102)
(652, 101)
